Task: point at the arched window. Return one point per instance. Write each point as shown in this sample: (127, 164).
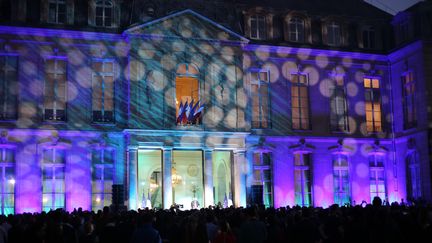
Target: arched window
(104, 13)
(413, 176)
(296, 29)
(188, 107)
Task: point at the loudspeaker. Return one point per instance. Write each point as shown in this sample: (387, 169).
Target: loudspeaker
(257, 194)
(117, 194)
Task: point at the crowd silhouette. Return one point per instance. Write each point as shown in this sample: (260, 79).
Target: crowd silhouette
(361, 223)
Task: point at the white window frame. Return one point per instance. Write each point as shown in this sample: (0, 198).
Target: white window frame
(338, 101)
(104, 4)
(301, 109)
(100, 182)
(262, 167)
(375, 167)
(103, 74)
(56, 98)
(266, 84)
(303, 167)
(368, 42)
(338, 177)
(57, 4)
(296, 29)
(255, 28)
(55, 167)
(4, 181)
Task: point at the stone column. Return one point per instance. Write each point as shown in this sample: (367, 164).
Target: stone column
(133, 177)
(240, 169)
(208, 178)
(166, 183)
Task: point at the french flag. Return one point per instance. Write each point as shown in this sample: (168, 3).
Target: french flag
(198, 112)
(192, 112)
(180, 112)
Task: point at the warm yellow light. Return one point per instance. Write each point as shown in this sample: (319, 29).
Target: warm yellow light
(44, 199)
(98, 200)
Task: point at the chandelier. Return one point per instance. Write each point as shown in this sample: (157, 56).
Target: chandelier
(175, 178)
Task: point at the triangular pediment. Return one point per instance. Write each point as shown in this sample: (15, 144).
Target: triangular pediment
(186, 24)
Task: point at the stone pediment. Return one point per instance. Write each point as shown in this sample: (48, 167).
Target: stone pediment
(186, 24)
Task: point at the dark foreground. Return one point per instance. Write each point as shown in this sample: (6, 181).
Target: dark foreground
(372, 223)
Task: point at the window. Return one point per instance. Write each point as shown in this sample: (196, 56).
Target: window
(260, 99)
(7, 180)
(104, 13)
(8, 87)
(102, 178)
(338, 106)
(372, 104)
(368, 37)
(258, 27)
(188, 108)
(57, 11)
(403, 31)
(334, 34)
(302, 179)
(53, 181)
(55, 90)
(408, 101)
(262, 185)
(377, 176)
(103, 91)
(341, 180)
(296, 30)
(300, 102)
(413, 176)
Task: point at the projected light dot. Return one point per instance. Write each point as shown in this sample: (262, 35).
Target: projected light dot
(230, 119)
(328, 183)
(304, 54)
(325, 87)
(352, 143)
(169, 61)
(347, 62)
(29, 68)
(72, 92)
(206, 48)
(313, 75)
(283, 51)
(352, 123)
(146, 53)
(35, 87)
(45, 199)
(11, 181)
(363, 129)
(321, 60)
(352, 89)
(288, 68)
(366, 66)
(157, 82)
(274, 71)
(121, 49)
(247, 61)
(358, 77)
(222, 36)
(262, 53)
(178, 45)
(241, 98)
(198, 61)
(27, 109)
(362, 170)
(76, 57)
(359, 108)
(83, 77)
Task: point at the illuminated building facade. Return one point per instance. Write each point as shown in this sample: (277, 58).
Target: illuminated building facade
(286, 104)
